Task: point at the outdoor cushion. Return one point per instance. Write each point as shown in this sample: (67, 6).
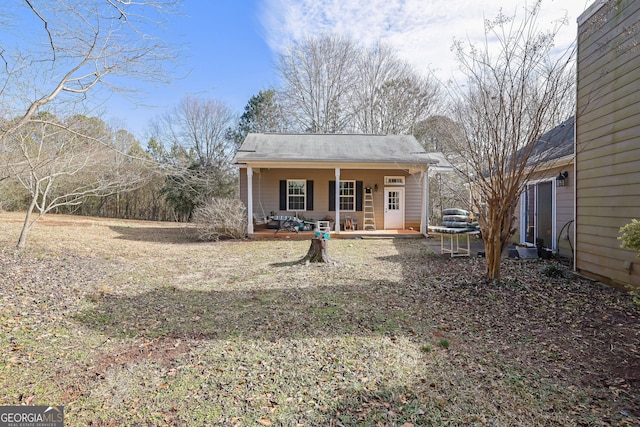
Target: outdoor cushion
(455, 218)
(456, 224)
(449, 230)
(455, 211)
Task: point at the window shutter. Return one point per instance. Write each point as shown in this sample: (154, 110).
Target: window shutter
(332, 195)
(283, 194)
(359, 188)
(309, 195)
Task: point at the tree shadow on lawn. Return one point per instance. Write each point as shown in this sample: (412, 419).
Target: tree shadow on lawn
(177, 234)
(570, 331)
(360, 306)
(526, 358)
(264, 314)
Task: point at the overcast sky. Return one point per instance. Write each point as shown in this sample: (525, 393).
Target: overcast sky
(422, 31)
(231, 46)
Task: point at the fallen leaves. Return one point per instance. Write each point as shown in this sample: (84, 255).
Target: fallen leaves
(230, 334)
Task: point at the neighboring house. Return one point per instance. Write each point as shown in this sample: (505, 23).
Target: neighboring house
(546, 209)
(607, 171)
(296, 174)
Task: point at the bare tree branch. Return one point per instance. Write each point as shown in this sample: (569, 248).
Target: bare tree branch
(46, 27)
(89, 41)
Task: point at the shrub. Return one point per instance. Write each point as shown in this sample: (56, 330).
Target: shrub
(553, 271)
(631, 236)
(425, 348)
(631, 240)
(221, 218)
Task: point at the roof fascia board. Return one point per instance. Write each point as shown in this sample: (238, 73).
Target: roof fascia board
(333, 165)
(552, 164)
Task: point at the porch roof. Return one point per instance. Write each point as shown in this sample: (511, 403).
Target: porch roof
(336, 149)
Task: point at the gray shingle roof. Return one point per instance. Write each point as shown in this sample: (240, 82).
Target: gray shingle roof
(335, 148)
(554, 144)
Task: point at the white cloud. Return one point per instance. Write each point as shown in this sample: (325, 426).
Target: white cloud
(422, 31)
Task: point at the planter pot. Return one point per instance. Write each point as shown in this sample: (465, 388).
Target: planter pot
(527, 252)
(545, 253)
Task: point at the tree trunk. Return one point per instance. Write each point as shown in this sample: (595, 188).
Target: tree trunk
(498, 235)
(318, 251)
(493, 253)
(27, 224)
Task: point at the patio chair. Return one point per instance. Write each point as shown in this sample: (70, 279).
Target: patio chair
(323, 226)
(350, 223)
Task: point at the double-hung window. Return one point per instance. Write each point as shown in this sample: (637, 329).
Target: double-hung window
(348, 196)
(296, 195)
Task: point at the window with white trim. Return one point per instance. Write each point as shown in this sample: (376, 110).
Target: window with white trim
(348, 196)
(394, 180)
(296, 195)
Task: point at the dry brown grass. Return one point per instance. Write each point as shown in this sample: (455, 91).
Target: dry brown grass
(133, 323)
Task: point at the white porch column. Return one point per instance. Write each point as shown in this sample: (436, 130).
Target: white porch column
(424, 219)
(337, 229)
(250, 200)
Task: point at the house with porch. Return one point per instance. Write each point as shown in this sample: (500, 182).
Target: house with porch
(375, 182)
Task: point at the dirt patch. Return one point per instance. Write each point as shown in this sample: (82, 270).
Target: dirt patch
(165, 351)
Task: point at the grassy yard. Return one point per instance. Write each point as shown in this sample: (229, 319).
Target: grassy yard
(132, 323)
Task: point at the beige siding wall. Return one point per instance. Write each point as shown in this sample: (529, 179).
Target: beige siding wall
(608, 144)
(266, 192)
(565, 211)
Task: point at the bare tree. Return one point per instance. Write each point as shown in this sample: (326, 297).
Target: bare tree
(77, 46)
(404, 102)
(389, 96)
(65, 162)
(512, 95)
(334, 85)
(198, 132)
(446, 189)
(319, 77)
(200, 126)
(375, 66)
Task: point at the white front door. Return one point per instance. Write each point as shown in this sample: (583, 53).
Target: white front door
(393, 208)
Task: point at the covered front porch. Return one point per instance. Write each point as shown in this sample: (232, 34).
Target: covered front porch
(378, 184)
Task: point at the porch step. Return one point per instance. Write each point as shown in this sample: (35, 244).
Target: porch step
(369, 222)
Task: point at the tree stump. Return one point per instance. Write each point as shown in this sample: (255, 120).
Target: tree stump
(318, 251)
